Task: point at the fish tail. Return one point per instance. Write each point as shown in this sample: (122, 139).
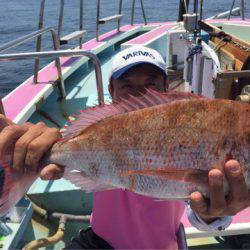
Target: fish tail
(13, 186)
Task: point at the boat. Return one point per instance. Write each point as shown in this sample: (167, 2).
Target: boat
(210, 57)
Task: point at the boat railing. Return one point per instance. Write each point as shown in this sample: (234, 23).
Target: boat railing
(56, 45)
(117, 17)
(60, 40)
(133, 12)
(242, 9)
(234, 12)
(76, 34)
(63, 53)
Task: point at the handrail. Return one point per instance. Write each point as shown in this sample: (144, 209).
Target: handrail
(60, 20)
(133, 12)
(118, 19)
(120, 12)
(25, 38)
(242, 8)
(98, 17)
(61, 16)
(81, 22)
(56, 47)
(63, 53)
(39, 40)
(235, 11)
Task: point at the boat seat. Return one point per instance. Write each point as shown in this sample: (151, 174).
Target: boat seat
(72, 36)
(110, 18)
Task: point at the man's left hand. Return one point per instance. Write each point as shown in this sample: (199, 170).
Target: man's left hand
(220, 205)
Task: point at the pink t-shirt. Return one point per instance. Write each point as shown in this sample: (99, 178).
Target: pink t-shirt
(130, 221)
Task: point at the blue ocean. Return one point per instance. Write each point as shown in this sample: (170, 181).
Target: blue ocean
(20, 17)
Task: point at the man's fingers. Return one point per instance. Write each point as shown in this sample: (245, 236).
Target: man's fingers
(198, 203)
(217, 197)
(237, 186)
(38, 147)
(23, 143)
(8, 137)
(4, 122)
(52, 172)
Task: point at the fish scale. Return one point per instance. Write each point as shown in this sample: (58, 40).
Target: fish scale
(193, 134)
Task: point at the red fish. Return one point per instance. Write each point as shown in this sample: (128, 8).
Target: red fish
(158, 145)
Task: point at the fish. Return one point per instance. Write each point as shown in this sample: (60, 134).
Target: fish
(160, 145)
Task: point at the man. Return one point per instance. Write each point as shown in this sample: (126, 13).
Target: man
(120, 218)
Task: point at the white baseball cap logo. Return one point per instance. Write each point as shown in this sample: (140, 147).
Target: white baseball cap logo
(133, 56)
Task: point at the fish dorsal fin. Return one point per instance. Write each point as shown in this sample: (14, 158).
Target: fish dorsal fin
(95, 114)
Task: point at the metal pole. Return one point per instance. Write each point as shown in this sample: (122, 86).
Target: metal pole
(196, 7)
(243, 9)
(39, 39)
(81, 22)
(201, 10)
(97, 20)
(23, 39)
(58, 64)
(183, 8)
(120, 12)
(230, 13)
(63, 53)
(143, 12)
(60, 20)
(133, 13)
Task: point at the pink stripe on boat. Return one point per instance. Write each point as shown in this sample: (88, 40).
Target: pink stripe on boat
(151, 34)
(103, 38)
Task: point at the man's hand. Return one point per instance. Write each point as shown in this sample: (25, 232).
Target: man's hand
(25, 145)
(219, 205)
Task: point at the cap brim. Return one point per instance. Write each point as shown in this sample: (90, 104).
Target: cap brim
(120, 72)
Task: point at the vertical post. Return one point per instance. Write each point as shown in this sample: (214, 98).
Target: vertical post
(243, 9)
(120, 12)
(143, 12)
(183, 9)
(60, 20)
(56, 44)
(201, 10)
(196, 9)
(39, 40)
(1, 107)
(230, 12)
(97, 20)
(133, 13)
(81, 22)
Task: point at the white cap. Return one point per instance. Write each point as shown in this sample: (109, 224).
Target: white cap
(133, 56)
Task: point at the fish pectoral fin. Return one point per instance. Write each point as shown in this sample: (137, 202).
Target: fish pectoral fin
(81, 180)
(196, 176)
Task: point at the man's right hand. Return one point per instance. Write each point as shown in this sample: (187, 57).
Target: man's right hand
(25, 145)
